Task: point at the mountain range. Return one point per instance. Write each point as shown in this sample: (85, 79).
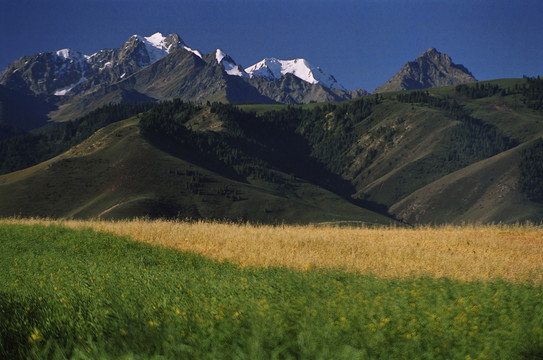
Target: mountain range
(66, 84)
(146, 130)
(157, 68)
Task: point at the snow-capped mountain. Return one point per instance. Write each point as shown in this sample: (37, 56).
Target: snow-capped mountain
(68, 72)
(158, 67)
(58, 73)
(272, 68)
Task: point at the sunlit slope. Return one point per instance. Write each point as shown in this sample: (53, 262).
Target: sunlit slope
(406, 162)
(395, 149)
(509, 113)
(486, 191)
(116, 173)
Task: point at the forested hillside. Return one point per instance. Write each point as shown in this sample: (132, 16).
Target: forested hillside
(394, 153)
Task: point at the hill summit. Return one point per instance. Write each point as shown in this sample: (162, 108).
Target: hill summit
(430, 69)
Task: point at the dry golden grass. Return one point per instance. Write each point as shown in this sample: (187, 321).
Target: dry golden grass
(512, 253)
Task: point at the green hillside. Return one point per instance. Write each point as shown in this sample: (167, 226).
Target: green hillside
(442, 155)
(116, 173)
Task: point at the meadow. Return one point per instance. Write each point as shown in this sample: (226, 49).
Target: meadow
(159, 289)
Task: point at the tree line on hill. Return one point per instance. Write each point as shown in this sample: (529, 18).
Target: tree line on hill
(533, 93)
(166, 126)
(531, 165)
(530, 181)
(531, 171)
(303, 143)
(329, 129)
(472, 139)
(479, 91)
(247, 146)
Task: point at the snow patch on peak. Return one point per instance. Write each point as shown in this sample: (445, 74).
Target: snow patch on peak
(64, 90)
(64, 53)
(68, 54)
(272, 68)
(229, 65)
(158, 45)
(156, 40)
(195, 52)
(219, 54)
(269, 69)
(155, 46)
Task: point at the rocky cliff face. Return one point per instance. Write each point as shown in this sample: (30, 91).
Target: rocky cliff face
(289, 89)
(431, 69)
(45, 73)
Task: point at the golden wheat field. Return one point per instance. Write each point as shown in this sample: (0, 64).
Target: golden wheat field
(508, 252)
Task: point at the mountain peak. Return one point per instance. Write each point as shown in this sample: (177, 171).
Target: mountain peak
(220, 55)
(158, 45)
(229, 65)
(430, 69)
(434, 56)
(157, 39)
(430, 51)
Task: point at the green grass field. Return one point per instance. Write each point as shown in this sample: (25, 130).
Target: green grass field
(86, 295)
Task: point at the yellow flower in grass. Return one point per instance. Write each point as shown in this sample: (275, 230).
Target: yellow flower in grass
(384, 322)
(152, 323)
(35, 337)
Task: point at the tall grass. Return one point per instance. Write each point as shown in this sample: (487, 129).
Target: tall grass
(80, 294)
(508, 252)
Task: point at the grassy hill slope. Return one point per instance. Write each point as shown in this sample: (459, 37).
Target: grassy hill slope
(484, 192)
(116, 173)
(428, 164)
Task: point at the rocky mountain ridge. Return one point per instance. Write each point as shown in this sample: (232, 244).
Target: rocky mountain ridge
(158, 68)
(68, 72)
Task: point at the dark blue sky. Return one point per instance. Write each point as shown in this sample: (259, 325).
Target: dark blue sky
(362, 42)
